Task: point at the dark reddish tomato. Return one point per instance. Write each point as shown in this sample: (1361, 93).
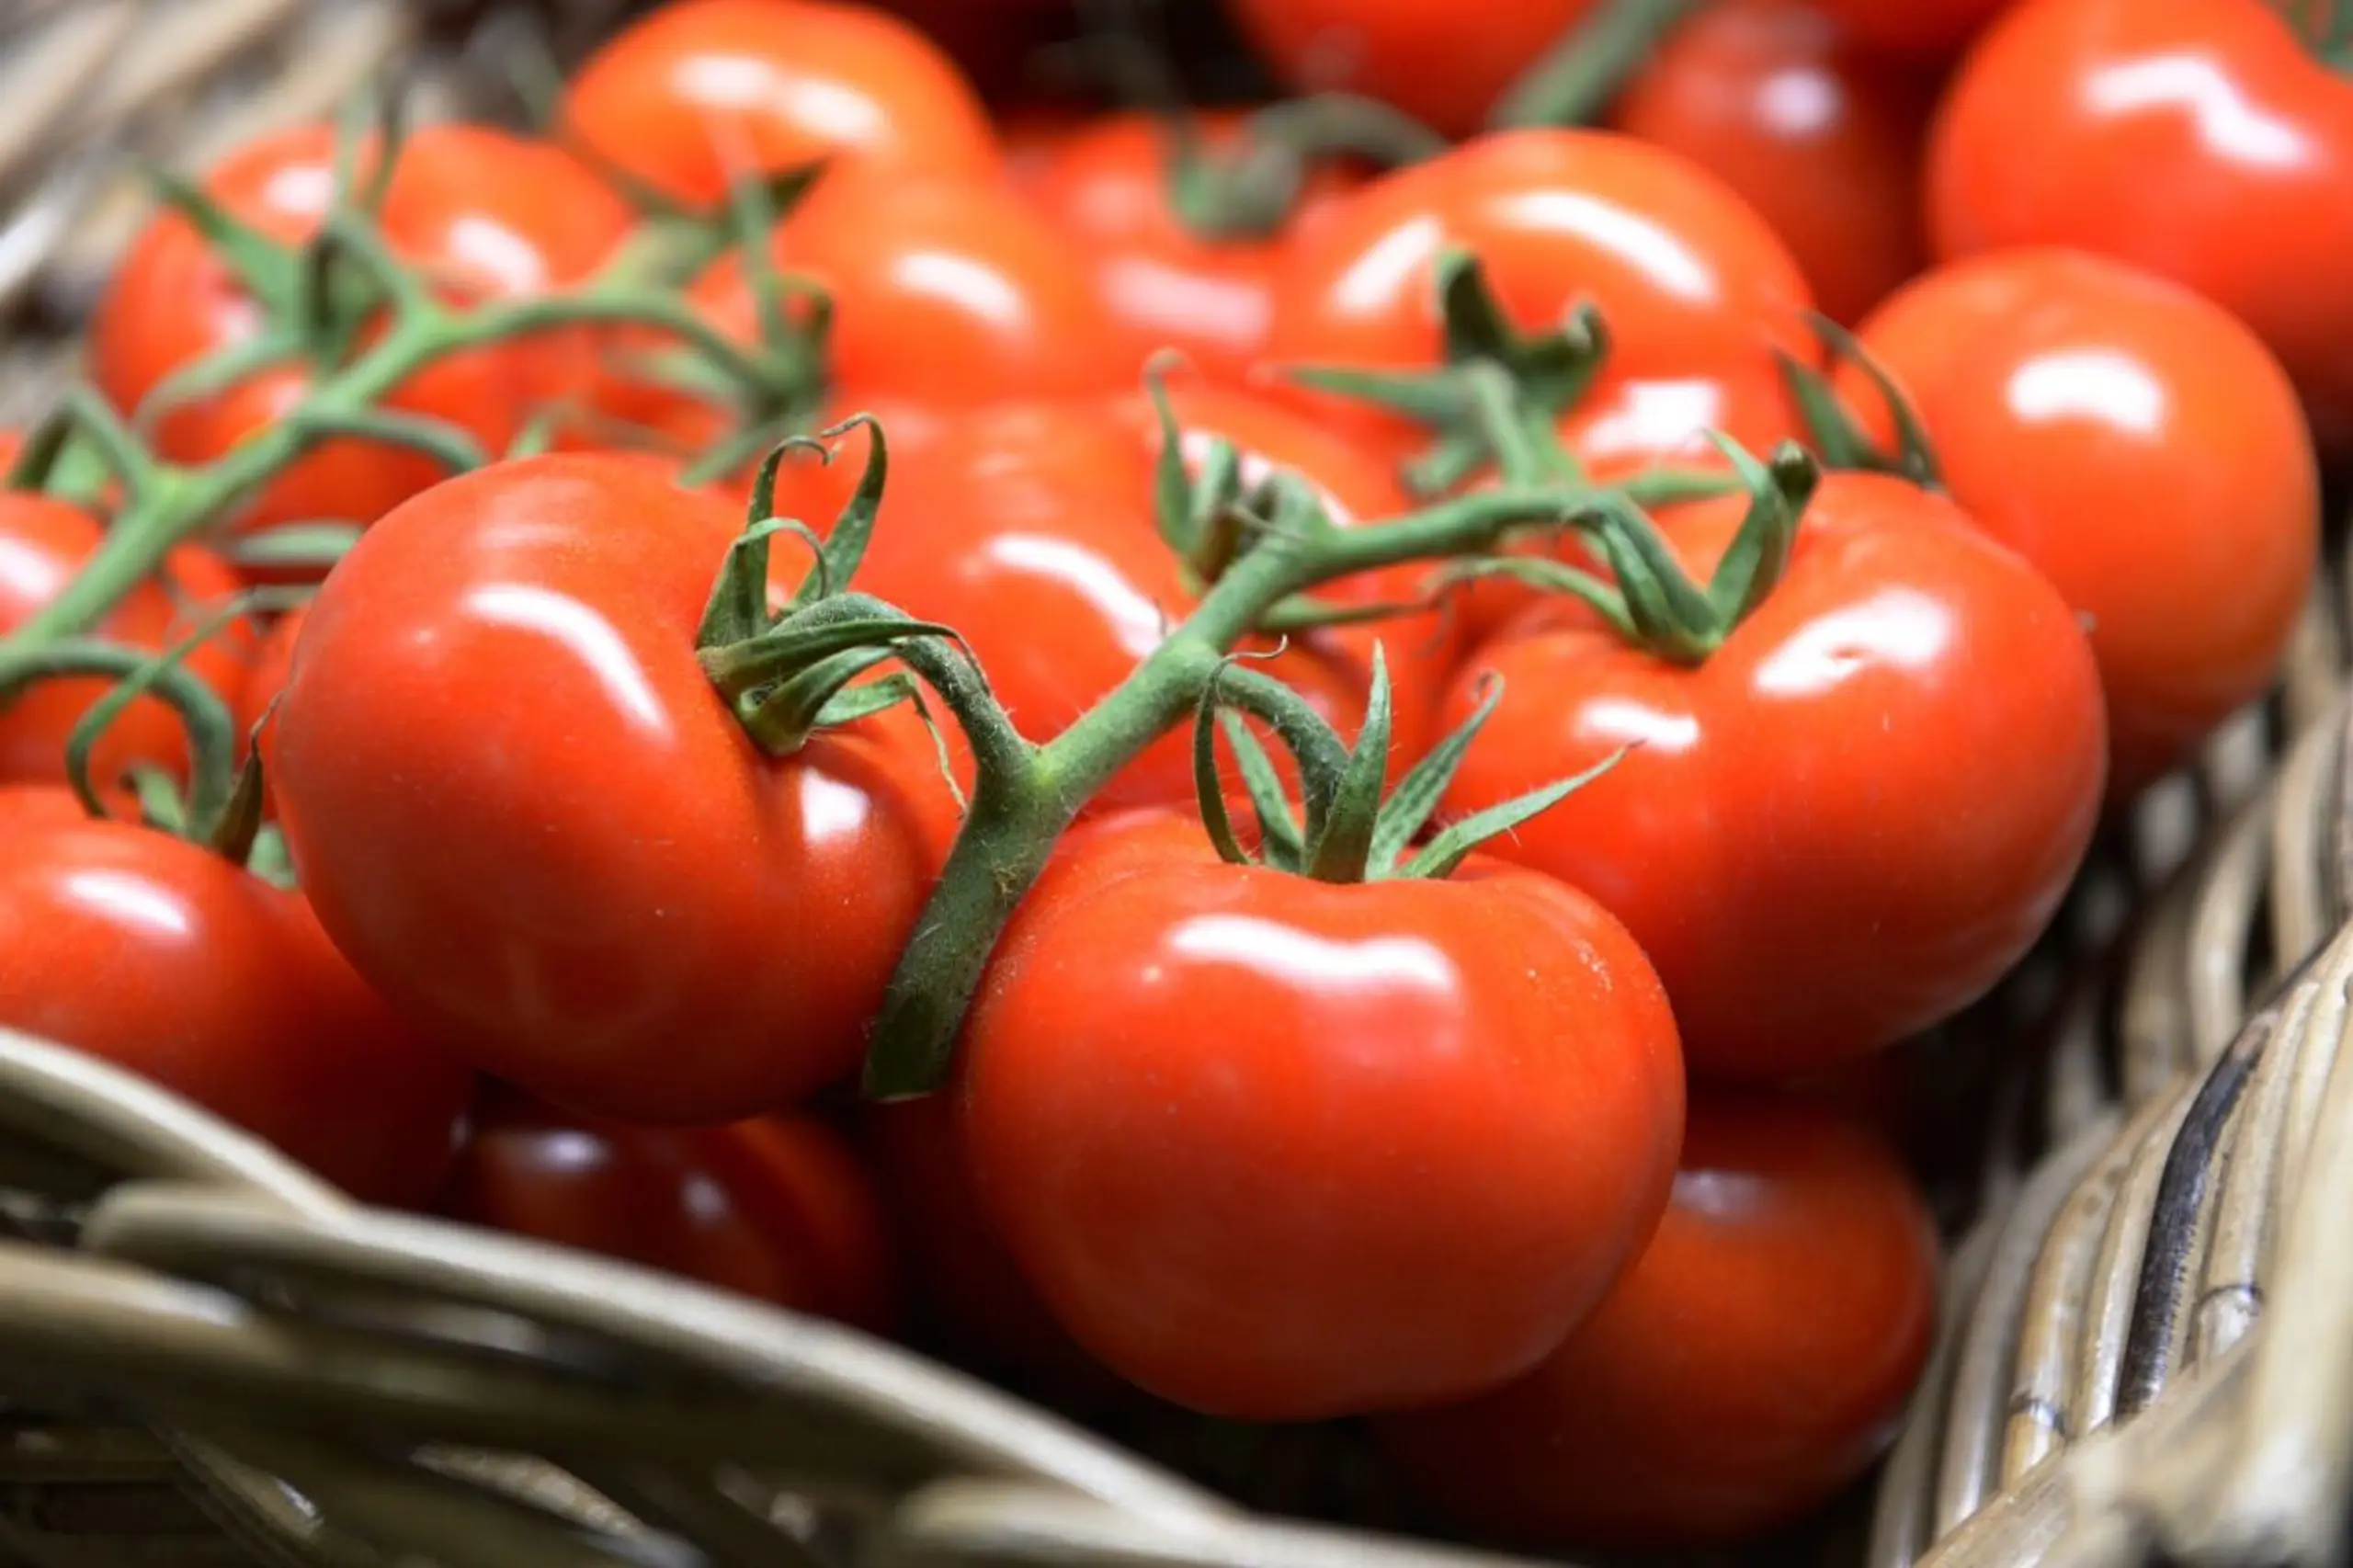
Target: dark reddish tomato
(1847, 823)
(162, 957)
(698, 91)
(1471, 1080)
(1442, 66)
(776, 1207)
(1752, 1362)
(945, 293)
(1029, 528)
(2143, 449)
(1164, 284)
(1692, 283)
(1823, 141)
(1623, 427)
(43, 544)
(1921, 28)
(37, 808)
(525, 814)
(484, 213)
(2196, 138)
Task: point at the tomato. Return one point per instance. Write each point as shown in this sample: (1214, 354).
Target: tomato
(1690, 281)
(2195, 138)
(1823, 140)
(1752, 1362)
(1847, 823)
(2143, 449)
(698, 90)
(1443, 66)
(1471, 1080)
(776, 1207)
(37, 808)
(265, 679)
(1029, 529)
(1165, 286)
(1919, 28)
(946, 294)
(525, 814)
(43, 544)
(162, 958)
(484, 213)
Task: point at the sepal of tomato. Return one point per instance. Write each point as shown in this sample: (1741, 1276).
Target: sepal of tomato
(523, 809)
(1847, 821)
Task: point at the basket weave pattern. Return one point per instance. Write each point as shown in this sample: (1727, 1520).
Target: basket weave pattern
(207, 1356)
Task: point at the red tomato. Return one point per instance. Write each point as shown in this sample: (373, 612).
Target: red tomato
(1692, 283)
(162, 957)
(2143, 449)
(43, 544)
(266, 678)
(484, 213)
(1472, 1081)
(698, 91)
(1929, 27)
(776, 1207)
(1847, 823)
(2195, 138)
(1029, 529)
(1752, 1362)
(1442, 66)
(1164, 285)
(1823, 140)
(37, 808)
(525, 814)
(945, 293)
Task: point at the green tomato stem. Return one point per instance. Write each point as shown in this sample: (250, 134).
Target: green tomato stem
(211, 732)
(1574, 81)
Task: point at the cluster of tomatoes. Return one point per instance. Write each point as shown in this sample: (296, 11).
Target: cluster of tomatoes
(548, 843)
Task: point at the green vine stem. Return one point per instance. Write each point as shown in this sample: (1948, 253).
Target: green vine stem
(211, 732)
(1028, 795)
(1574, 81)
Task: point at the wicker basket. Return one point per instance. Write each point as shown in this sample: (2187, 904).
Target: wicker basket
(207, 1356)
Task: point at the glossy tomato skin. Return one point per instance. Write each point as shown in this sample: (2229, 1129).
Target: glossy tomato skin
(162, 957)
(2143, 449)
(1821, 139)
(945, 293)
(1750, 1363)
(2195, 138)
(1029, 527)
(524, 813)
(43, 544)
(682, 97)
(776, 1207)
(484, 213)
(1883, 781)
(1444, 67)
(1107, 185)
(1435, 1121)
(1689, 280)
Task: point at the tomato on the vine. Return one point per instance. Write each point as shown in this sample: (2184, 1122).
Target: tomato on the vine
(524, 811)
(43, 542)
(1441, 64)
(1691, 283)
(482, 213)
(1822, 139)
(1433, 1120)
(1109, 185)
(2196, 138)
(162, 957)
(1751, 1362)
(1029, 527)
(2140, 446)
(699, 92)
(1853, 817)
(776, 1207)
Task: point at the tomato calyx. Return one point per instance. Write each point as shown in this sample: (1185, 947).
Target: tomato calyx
(1251, 190)
(1836, 433)
(1573, 82)
(1355, 830)
(1548, 371)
